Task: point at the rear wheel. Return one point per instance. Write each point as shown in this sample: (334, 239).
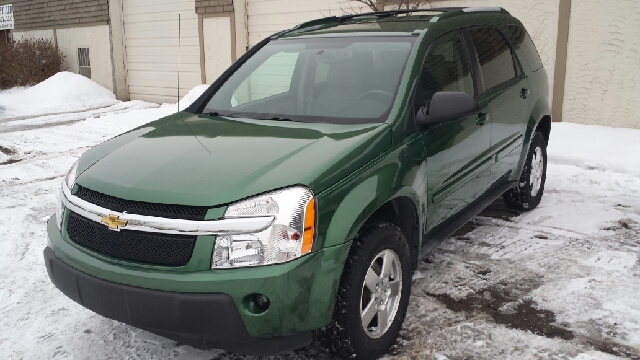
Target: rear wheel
(528, 193)
(373, 296)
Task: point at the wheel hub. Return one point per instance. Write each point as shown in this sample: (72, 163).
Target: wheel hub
(382, 294)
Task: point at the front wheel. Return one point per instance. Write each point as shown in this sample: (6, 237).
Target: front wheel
(373, 296)
(528, 193)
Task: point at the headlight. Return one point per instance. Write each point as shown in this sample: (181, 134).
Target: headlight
(59, 209)
(290, 236)
(70, 179)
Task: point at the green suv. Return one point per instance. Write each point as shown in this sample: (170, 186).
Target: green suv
(297, 194)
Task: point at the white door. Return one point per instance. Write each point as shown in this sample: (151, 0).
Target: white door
(151, 42)
(268, 17)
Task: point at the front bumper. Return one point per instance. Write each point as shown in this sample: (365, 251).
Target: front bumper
(200, 320)
(205, 308)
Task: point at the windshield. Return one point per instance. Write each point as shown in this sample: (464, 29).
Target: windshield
(338, 80)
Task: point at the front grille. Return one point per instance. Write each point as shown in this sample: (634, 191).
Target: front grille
(142, 208)
(152, 248)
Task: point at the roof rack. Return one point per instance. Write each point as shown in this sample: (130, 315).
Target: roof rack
(338, 19)
(398, 12)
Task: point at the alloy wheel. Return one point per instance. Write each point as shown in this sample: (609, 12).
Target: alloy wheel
(381, 292)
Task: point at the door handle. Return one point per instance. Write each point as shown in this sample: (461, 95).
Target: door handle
(524, 93)
(482, 118)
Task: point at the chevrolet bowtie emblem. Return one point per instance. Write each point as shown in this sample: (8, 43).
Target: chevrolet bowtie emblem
(113, 221)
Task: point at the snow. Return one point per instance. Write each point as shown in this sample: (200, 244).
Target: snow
(596, 147)
(572, 263)
(63, 92)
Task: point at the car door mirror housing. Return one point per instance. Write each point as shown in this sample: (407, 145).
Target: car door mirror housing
(445, 106)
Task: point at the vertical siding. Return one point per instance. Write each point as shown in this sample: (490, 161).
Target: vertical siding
(151, 42)
(266, 17)
(603, 64)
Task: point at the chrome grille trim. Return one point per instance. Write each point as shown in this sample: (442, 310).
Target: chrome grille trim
(165, 225)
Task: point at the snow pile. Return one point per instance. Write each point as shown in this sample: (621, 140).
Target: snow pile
(594, 147)
(192, 96)
(63, 92)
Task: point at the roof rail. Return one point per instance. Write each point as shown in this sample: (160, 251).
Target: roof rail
(338, 19)
(398, 12)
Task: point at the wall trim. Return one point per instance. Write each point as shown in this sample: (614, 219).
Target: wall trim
(98, 23)
(232, 22)
(203, 70)
(560, 71)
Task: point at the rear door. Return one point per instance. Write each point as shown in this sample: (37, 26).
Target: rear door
(457, 150)
(507, 93)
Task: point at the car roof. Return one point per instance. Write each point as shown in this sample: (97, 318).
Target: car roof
(388, 23)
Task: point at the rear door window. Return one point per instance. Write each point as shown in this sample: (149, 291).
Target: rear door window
(526, 49)
(494, 55)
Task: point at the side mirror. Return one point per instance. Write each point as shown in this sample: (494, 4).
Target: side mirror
(445, 106)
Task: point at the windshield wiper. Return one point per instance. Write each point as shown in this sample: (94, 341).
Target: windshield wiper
(215, 113)
(278, 118)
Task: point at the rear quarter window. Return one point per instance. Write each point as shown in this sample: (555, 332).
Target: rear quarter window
(525, 48)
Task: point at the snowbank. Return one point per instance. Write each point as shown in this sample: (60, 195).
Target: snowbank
(63, 92)
(192, 96)
(594, 147)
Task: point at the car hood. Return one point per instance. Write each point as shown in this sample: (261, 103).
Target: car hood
(208, 161)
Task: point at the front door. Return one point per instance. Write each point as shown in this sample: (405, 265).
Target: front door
(457, 150)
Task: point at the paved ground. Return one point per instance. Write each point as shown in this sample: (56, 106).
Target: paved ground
(560, 282)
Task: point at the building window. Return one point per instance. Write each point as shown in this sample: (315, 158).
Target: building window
(84, 65)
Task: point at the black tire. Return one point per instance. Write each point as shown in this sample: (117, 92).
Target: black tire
(523, 197)
(345, 336)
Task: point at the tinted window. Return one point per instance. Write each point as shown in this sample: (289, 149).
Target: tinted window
(526, 49)
(494, 54)
(446, 68)
(339, 80)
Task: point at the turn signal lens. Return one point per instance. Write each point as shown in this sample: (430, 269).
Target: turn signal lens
(309, 227)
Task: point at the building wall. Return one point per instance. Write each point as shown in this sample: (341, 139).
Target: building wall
(96, 38)
(33, 34)
(41, 14)
(217, 46)
(603, 64)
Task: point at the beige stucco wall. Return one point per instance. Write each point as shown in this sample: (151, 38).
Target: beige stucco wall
(33, 34)
(217, 46)
(96, 38)
(603, 64)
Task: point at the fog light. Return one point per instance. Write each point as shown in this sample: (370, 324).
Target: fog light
(262, 301)
(256, 303)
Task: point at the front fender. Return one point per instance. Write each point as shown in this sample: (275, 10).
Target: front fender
(346, 206)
